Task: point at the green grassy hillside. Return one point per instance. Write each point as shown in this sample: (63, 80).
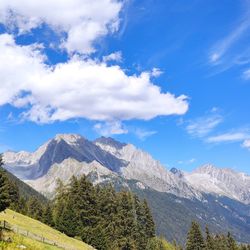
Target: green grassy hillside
(19, 241)
(31, 227)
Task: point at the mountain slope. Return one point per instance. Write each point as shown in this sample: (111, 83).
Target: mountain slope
(23, 224)
(173, 215)
(141, 166)
(64, 171)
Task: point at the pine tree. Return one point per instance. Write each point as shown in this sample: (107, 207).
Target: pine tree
(107, 206)
(195, 239)
(220, 242)
(13, 195)
(86, 203)
(126, 227)
(47, 215)
(4, 188)
(34, 208)
(62, 215)
(22, 205)
(209, 241)
(149, 222)
(155, 244)
(231, 243)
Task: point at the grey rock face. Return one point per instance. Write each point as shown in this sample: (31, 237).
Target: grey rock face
(30, 166)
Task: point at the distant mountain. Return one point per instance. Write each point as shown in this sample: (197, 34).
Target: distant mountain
(223, 182)
(220, 197)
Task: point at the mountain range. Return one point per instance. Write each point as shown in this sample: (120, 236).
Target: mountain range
(214, 196)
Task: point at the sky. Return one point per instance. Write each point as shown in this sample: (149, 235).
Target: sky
(172, 77)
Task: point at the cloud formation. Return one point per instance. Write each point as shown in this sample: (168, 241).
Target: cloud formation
(241, 135)
(231, 50)
(143, 134)
(246, 74)
(79, 22)
(114, 57)
(110, 128)
(228, 137)
(186, 162)
(246, 144)
(222, 47)
(202, 126)
(226, 43)
(78, 88)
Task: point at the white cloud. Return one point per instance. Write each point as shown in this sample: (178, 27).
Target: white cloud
(156, 72)
(214, 57)
(142, 134)
(190, 161)
(246, 74)
(115, 57)
(83, 21)
(246, 144)
(233, 49)
(223, 46)
(228, 137)
(202, 126)
(241, 136)
(110, 128)
(78, 88)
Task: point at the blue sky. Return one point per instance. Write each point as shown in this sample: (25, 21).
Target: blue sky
(171, 77)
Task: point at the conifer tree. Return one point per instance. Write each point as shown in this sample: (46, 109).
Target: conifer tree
(64, 215)
(47, 215)
(195, 239)
(34, 208)
(125, 221)
(13, 194)
(4, 193)
(149, 222)
(155, 244)
(22, 205)
(220, 242)
(209, 241)
(231, 243)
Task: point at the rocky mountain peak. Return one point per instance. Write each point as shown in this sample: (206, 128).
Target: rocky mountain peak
(108, 141)
(69, 138)
(176, 172)
(206, 168)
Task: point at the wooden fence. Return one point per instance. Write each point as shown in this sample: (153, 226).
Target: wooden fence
(7, 226)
